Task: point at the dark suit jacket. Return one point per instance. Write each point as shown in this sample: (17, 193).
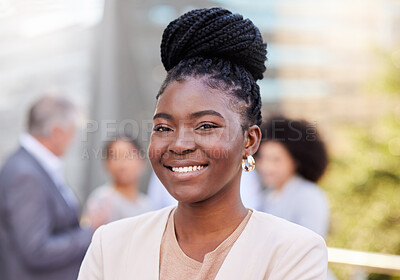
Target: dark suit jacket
(40, 236)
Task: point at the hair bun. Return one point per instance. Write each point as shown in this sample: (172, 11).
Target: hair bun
(214, 32)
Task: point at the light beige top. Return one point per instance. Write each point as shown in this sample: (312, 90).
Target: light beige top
(175, 264)
(105, 204)
(269, 248)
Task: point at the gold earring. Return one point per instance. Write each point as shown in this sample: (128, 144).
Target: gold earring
(251, 162)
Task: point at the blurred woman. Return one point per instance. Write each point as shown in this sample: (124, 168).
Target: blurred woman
(291, 159)
(120, 198)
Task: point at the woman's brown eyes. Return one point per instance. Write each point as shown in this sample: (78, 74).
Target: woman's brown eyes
(161, 128)
(207, 126)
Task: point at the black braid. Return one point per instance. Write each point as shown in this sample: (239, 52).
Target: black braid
(223, 47)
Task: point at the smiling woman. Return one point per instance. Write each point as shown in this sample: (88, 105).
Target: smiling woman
(206, 125)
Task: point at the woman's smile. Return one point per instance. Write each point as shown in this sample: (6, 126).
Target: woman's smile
(187, 172)
(185, 169)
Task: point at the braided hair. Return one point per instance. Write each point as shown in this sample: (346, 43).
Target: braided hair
(222, 47)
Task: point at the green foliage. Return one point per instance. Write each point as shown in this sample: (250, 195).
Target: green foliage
(387, 77)
(363, 182)
(364, 187)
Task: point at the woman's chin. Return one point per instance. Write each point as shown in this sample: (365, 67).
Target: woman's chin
(188, 197)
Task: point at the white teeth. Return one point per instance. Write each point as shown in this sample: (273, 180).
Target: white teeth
(186, 169)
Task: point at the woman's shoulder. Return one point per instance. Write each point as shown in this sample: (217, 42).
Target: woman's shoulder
(307, 189)
(101, 192)
(284, 250)
(282, 232)
(278, 249)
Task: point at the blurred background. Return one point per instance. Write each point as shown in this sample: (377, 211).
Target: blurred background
(335, 63)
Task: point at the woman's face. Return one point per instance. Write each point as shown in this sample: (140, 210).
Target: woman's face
(197, 142)
(124, 163)
(275, 165)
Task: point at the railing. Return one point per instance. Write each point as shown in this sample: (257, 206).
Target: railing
(363, 262)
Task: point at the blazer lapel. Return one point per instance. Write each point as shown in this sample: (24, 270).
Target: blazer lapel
(145, 248)
(247, 257)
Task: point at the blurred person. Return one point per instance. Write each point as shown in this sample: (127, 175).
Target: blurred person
(205, 132)
(291, 159)
(121, 198)
(157, 193)
(40, 235)
(251, 194)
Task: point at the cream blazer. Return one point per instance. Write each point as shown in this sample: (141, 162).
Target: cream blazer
(268, 248)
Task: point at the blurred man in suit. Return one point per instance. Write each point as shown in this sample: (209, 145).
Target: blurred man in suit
(40, 236)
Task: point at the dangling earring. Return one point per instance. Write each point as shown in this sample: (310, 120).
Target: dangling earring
(251, 162)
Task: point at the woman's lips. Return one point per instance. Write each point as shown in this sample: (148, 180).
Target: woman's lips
(186, 171)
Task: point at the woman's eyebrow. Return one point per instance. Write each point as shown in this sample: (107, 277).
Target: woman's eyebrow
(204, 113)
(163, 116)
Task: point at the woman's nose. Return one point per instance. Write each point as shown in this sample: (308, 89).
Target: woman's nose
(183, 141)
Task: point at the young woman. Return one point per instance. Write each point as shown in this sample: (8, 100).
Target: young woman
(291, 159)
(206, 128)
(121, 198)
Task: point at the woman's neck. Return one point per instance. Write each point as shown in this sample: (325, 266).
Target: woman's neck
(201, 227)
(215, 218)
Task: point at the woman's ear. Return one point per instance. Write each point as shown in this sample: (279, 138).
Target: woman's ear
(252, 140)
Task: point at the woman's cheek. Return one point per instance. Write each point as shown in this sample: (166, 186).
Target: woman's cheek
(221, 147)
(154, 151)
(215, 150)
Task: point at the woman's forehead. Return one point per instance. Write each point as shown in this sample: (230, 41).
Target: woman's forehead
(192, 95)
